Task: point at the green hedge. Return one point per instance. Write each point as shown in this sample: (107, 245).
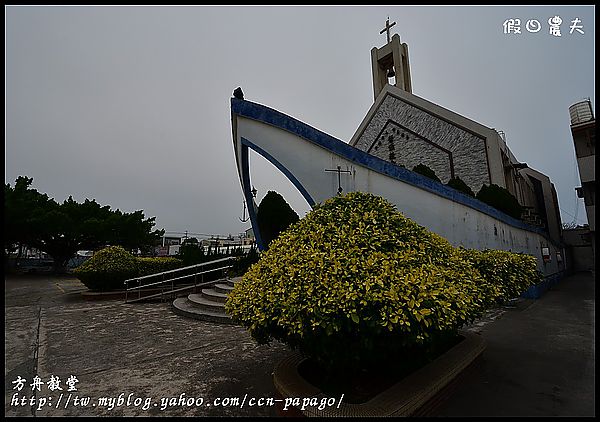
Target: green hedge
(377, 281)
(243, 262)
(355, 282)
(426, 171)
(501, 199)
(509, 273)
(108, 268)
(157, 265)
(458, 184)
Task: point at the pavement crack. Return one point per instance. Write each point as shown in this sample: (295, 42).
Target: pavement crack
(36, 349)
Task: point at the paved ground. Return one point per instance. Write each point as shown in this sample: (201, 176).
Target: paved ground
(114, 348)
(540, 358)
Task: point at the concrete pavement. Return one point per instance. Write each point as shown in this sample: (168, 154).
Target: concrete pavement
(540, 357)
(539, 360)
(134, 351)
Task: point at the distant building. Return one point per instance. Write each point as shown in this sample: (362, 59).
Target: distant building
(583, 130)
(249, 238)
(536, 193)
(171, 240)
(164, 244)
(580, 255)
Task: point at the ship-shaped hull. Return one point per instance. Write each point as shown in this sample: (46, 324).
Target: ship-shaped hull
(303, 153)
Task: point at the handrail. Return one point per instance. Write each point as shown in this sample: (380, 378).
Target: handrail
(180, 269)
(140, 286)
(161, 294)
(177, 278)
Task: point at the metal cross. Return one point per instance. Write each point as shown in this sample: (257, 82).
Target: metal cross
(387, 28)
(339, 171)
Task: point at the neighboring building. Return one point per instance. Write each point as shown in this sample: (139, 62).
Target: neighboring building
(408, 130)
(174, 250)
(165, 245)
(248, 237)
(580, 255)
(583, 130)
(171, 240)
(537, 194)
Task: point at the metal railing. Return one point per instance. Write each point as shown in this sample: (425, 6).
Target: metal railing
(195, 275)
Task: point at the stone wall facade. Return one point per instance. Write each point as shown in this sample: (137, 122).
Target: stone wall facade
(406, 135)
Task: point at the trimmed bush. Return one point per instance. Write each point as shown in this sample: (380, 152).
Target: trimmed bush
(508, 273)
(355, 282)
(242, 263)
(501, 199)
(107, 269)
(458, 184)
(157, 265)
(274, 216)
(426, 171)
(191, 252)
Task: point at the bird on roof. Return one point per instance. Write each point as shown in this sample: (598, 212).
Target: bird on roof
(238, 93)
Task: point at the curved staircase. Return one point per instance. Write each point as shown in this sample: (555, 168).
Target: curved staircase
(209, 304)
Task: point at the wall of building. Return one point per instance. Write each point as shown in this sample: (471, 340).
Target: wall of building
(405, 134)
(583, 130)
(584, 139)
(580, 255)
(549, 202)
(303, 154)
(407, 130)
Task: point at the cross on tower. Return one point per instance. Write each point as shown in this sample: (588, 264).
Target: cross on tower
(387, 28)
(339, 171)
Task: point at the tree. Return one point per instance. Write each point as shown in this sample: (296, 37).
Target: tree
(191, 252)
(23, 208)
(60, 230)
(426, 171)
(501, 199)
(274, 216)
(458, 184)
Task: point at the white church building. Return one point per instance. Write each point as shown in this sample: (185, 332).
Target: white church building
(400, 131)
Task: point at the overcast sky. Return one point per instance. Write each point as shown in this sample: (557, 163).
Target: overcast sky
(130, 105)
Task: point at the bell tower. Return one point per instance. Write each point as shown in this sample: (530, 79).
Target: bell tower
(390, 61)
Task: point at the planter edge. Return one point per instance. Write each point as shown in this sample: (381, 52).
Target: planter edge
(402, 399)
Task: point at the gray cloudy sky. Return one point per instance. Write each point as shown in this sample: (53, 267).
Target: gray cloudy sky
(130, 105)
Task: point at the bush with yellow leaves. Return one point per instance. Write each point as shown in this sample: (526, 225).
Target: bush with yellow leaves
(355, 282)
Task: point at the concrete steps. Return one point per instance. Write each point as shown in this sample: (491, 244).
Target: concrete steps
(223, 288)
(209, 304)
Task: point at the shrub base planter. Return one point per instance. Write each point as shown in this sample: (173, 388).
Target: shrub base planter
(405, 398)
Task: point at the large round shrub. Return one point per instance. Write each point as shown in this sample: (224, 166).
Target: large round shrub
(508, 273)
(355, 281)
(107, 269)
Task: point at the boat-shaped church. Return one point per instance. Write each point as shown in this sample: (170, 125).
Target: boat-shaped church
(400, 131)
